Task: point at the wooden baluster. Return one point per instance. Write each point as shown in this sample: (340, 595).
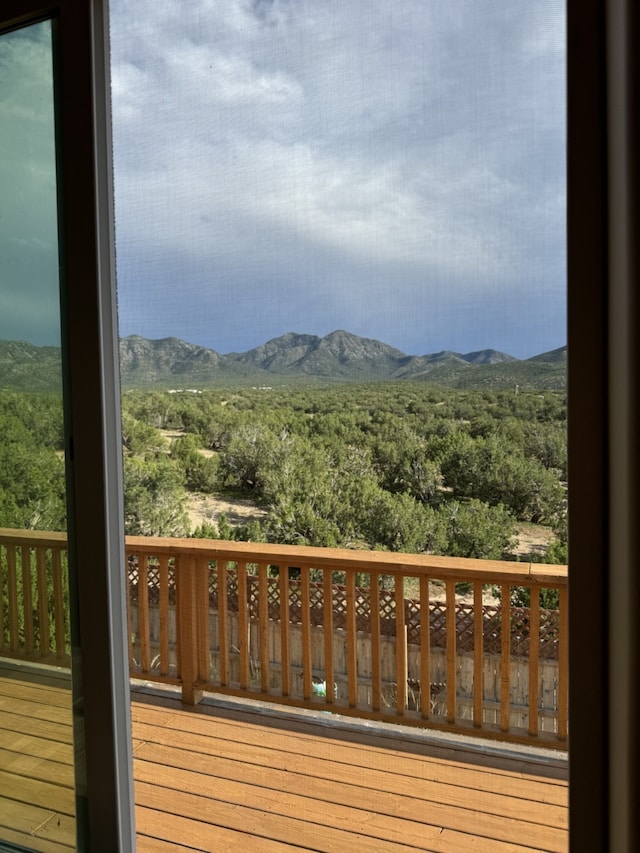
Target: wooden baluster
(128, 603)
(452, 629)
(223, 622)
(58, 603)
(505, 658)
(163, 575)
(425, 649)
(12, 583)
(43, 601)
(243, 625)
(143, 613)
(352, 657)
(27, 599)
(2, 587)
(305, 604)
(478, 654)
(186, 584)
(176, 580)
(327, 624)
(285, 655)
(263, 620)
(563, 665)
(201, 567)
(376, 670)
(401, 647)
(534, 658)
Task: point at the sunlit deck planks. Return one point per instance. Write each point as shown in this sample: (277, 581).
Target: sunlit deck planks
(219, 778)
(36, 759)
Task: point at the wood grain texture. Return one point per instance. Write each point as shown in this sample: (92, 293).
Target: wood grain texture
(242, 777)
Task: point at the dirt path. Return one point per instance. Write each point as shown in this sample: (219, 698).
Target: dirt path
(207, 508)
(532, 539)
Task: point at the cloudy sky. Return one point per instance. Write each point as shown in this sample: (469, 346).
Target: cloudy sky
(394, 168)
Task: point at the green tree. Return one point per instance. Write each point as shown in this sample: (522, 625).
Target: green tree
(154, 498)
(475, 529)
(200, 472)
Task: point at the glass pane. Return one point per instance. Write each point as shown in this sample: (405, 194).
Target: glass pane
(37, 800)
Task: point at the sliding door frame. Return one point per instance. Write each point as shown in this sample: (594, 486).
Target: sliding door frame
(93, 447)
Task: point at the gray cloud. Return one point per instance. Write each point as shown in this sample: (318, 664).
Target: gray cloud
(393, 169)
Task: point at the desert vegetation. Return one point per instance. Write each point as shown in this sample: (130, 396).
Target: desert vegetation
(391, 466)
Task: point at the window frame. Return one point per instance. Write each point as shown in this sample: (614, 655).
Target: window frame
(604, 421)
(604, 396)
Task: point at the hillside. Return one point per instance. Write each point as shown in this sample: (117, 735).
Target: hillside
(171, 363)
(26, 367)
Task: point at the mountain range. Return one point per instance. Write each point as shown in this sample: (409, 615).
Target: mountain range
(339, 356)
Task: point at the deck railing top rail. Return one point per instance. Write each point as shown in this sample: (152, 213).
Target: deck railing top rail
(33, 538)
(459, 568)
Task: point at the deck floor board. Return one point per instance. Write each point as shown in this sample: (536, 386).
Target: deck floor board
(226, 776)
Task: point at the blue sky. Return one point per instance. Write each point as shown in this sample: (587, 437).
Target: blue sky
(395, 169)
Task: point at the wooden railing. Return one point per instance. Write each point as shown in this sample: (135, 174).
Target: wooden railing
(34, 597)
(356, 632)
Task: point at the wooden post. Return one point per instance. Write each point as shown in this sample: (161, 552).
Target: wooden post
(186, 582)
(201, 567)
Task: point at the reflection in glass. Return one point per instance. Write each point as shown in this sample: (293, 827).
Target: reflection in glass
(37, 807)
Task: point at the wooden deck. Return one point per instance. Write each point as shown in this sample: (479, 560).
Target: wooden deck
(218, 778)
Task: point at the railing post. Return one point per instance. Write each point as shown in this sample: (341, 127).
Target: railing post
(188, 628)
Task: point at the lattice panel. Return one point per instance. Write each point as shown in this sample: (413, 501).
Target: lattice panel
(491, 615)
(153, 581)
(132, 575)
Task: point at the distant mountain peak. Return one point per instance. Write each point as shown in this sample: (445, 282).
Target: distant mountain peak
(338, 356)
(487, 356)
